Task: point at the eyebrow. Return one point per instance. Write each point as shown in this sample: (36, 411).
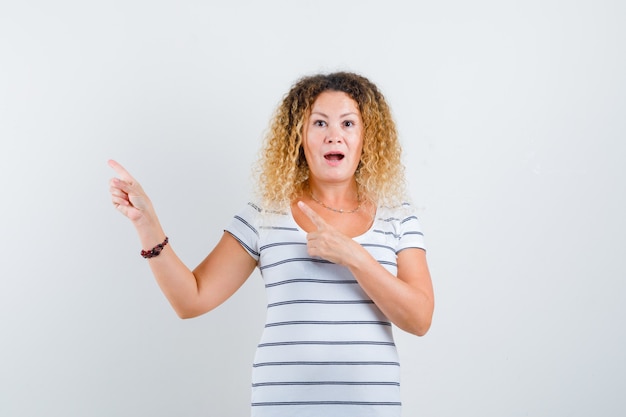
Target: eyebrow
(341, 115)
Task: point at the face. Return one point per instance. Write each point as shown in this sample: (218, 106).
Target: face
(333, 137)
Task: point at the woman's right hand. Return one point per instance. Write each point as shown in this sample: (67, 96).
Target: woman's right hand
(128, 196)
(190, 293)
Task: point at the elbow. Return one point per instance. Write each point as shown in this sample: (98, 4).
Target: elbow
(421, 331)
(186, 312)
(419, 325)
(189, 309)
(418, 329)
(422, 323)
(184, 315)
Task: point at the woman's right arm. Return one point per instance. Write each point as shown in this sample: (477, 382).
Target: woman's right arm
(191, 293)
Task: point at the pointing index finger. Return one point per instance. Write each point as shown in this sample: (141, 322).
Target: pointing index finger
(311, 214)
(121, 171)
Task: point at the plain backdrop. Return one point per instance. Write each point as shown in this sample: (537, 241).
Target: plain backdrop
(512, 115)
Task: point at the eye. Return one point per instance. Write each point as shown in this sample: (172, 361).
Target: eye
(348, 123)
(319, 123)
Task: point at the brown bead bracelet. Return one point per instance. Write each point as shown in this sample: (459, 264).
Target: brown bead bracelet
(155, 251)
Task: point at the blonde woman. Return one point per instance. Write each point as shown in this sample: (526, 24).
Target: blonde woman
(340, 250)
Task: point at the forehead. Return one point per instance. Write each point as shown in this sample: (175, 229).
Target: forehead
(335, 100)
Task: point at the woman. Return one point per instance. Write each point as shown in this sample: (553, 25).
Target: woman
(341, 254)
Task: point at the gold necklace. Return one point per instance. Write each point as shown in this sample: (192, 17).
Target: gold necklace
(341, 211)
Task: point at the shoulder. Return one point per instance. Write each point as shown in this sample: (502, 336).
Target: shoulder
(400, 213)
(256, 216)
(248, 215)
(403, 223)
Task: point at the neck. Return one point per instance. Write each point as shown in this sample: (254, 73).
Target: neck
(340, 199)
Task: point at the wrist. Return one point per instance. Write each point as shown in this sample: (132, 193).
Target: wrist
(359, 259)
(150, 234)
(156, 250)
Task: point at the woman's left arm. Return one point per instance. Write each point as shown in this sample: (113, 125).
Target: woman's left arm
(407, 300)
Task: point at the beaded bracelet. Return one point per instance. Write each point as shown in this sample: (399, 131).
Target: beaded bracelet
(155, 251)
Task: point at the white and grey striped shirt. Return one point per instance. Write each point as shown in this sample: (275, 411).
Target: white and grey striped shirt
(326, 348)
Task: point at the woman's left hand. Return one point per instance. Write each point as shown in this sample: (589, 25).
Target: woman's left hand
(326, 242)
(406, 298)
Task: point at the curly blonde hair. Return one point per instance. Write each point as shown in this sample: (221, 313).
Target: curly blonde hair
(282, 170)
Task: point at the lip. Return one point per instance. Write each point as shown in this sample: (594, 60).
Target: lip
(334, 158)
(330, 154)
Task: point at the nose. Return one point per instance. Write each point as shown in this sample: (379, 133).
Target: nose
(333, 135)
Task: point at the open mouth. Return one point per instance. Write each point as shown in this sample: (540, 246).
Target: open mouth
(334, 156)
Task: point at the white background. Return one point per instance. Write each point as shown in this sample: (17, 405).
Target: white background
(512, 115)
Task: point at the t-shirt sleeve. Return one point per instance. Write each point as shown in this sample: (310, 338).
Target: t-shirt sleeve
(411, 235)
(243, 227)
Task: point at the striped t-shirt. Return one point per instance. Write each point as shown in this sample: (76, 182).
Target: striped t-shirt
(326, 349)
